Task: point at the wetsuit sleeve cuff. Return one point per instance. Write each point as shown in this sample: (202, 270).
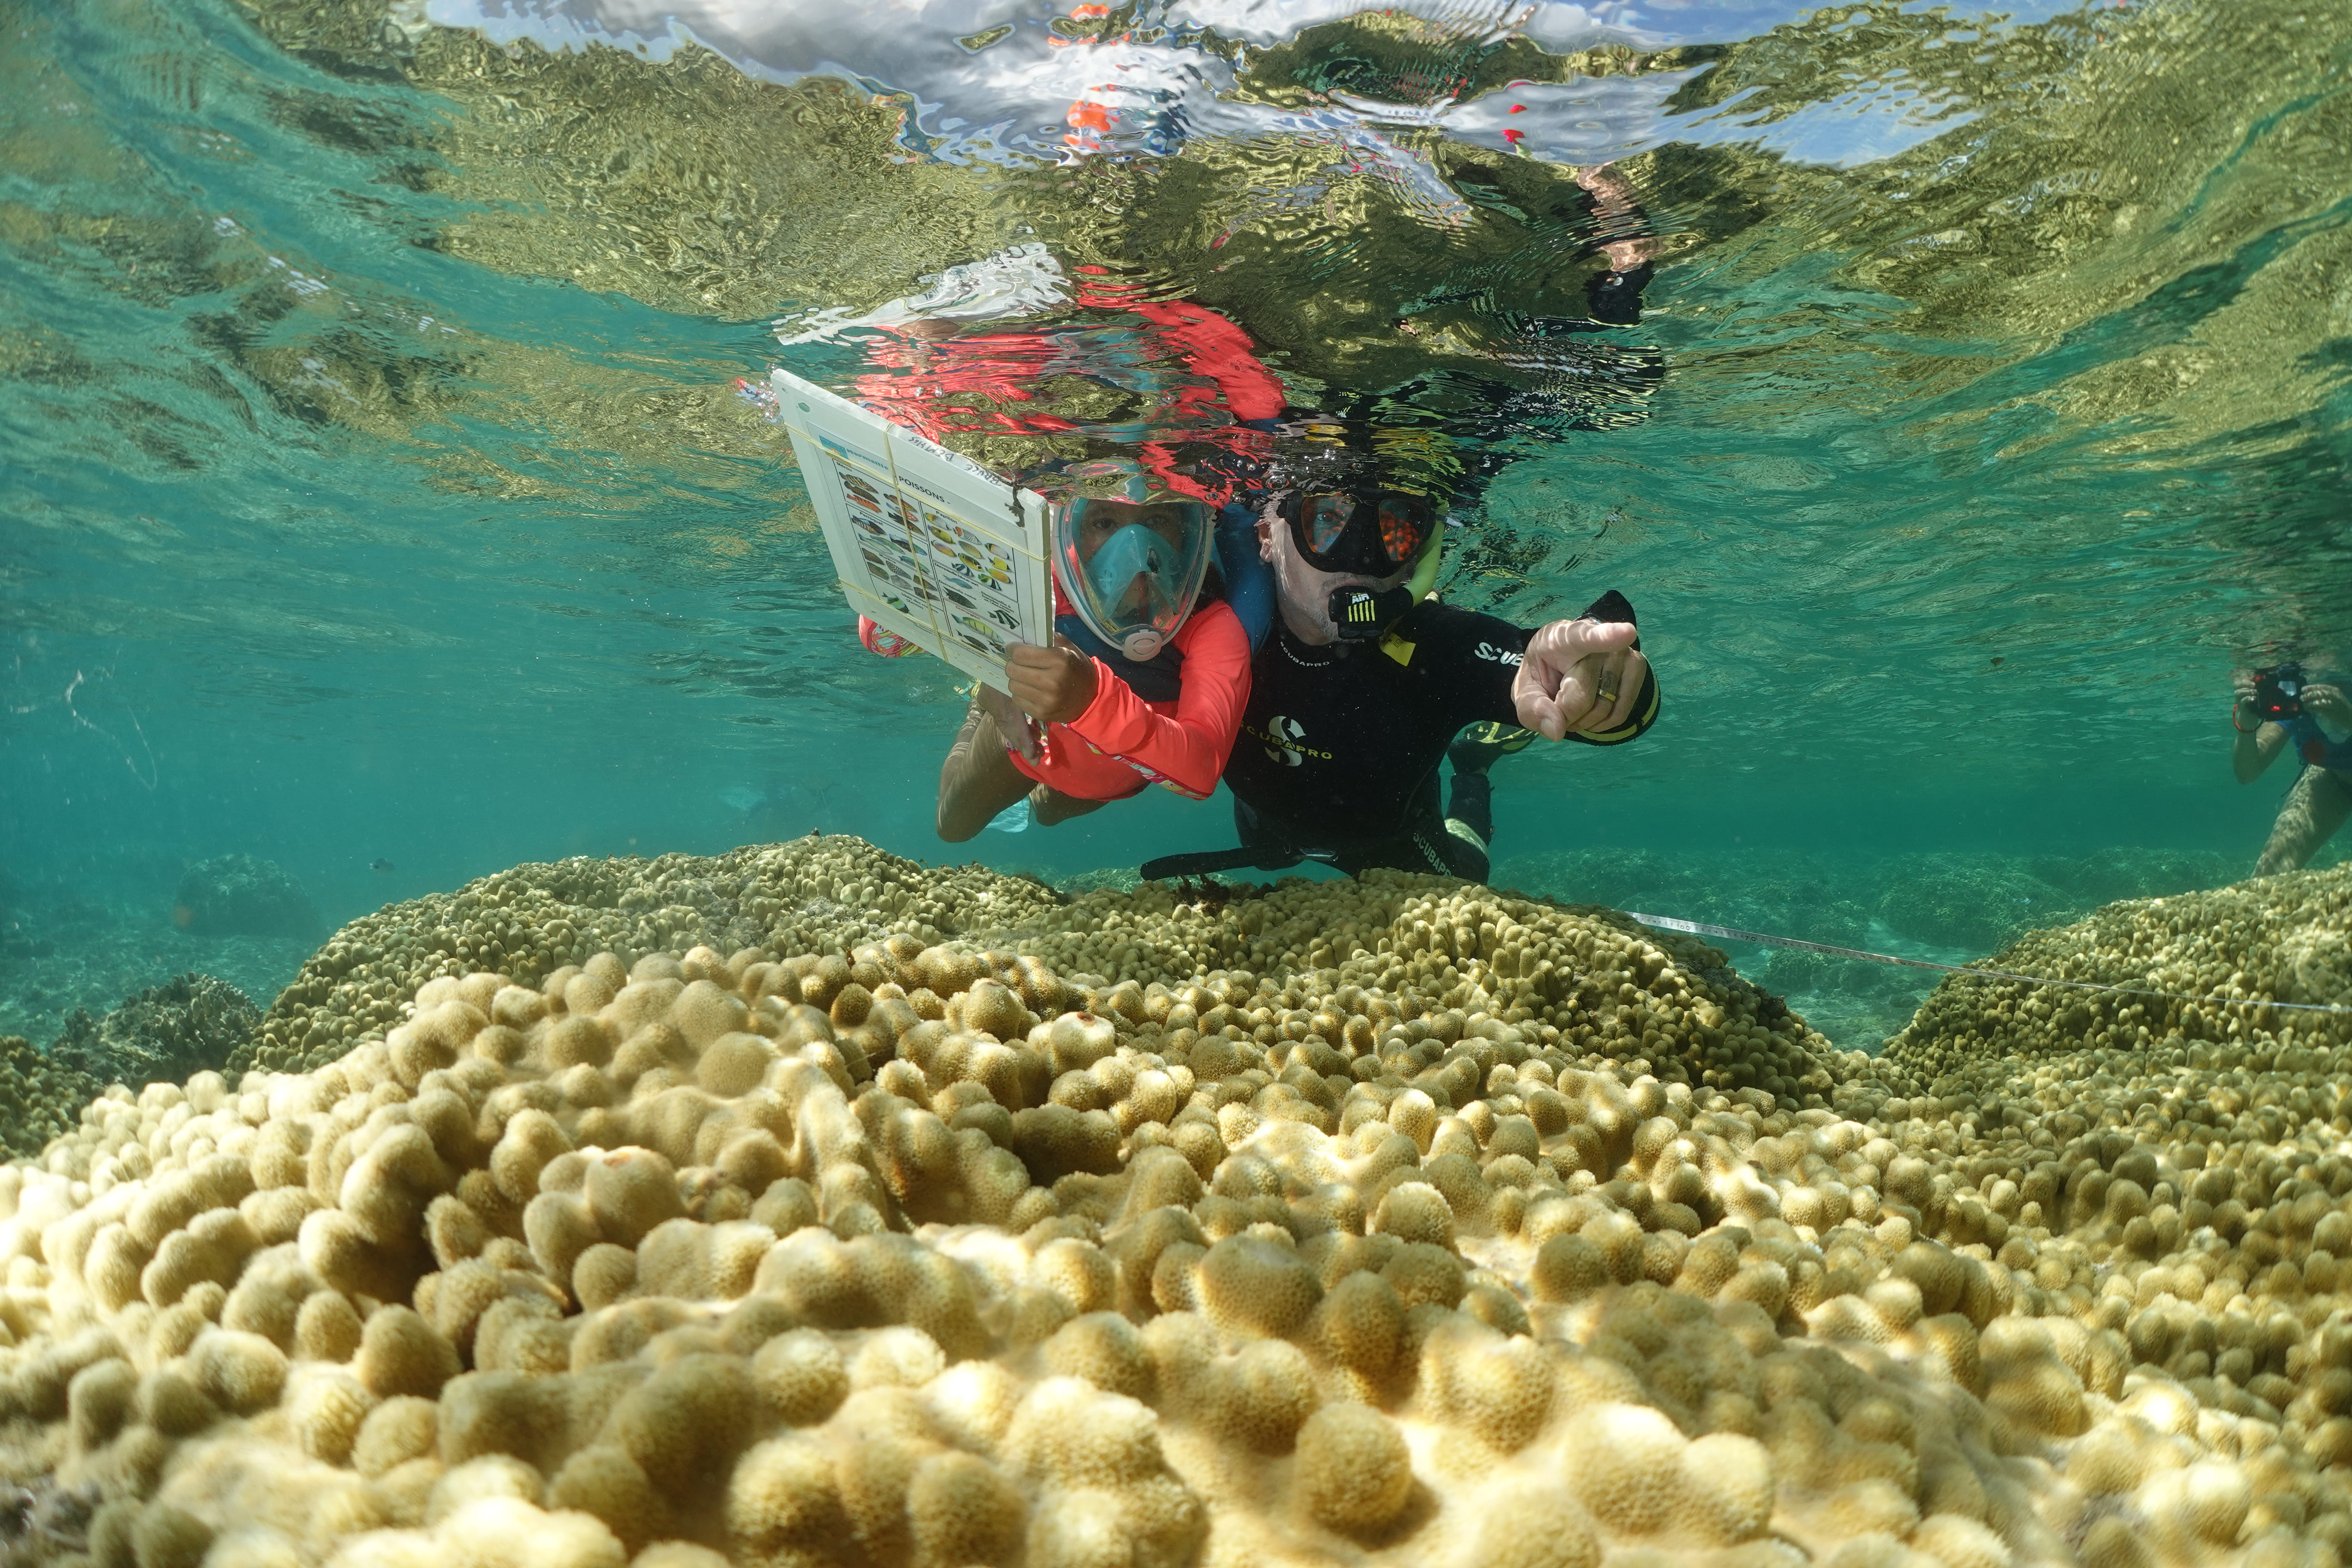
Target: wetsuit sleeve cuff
(1615, 297)
(1646, 713)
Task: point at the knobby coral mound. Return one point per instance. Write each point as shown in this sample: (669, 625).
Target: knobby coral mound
(1395, 1251)
(813, 895)
(39, 1097)
(2287, 939)
(829, 894)
(243, 895)
(188, 1024)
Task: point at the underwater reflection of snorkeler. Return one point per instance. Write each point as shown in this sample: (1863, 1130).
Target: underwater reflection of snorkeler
(2279, 707)
(1161, 701)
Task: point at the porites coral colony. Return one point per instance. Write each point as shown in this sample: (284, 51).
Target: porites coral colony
(1396, 1221)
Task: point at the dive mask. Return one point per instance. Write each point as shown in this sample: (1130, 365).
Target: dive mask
(1369, 534)
(1132, 569)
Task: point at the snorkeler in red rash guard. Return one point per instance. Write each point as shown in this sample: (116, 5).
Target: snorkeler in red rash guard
(1160, 701)
(1150, 668)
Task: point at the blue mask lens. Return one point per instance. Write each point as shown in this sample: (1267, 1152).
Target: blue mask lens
(1134, 551)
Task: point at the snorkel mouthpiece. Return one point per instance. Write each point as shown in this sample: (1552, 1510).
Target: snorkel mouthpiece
(1362, 615)
(1131, 574)
(1358, 614)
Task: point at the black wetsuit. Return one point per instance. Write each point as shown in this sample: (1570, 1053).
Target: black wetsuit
(1336, 758)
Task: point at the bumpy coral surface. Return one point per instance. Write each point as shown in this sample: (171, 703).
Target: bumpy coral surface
(813, 895)
(39, 1097)
(1453, 1229)
(2283, 939)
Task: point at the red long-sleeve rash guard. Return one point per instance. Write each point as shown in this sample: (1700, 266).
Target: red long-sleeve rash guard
(1121, 743)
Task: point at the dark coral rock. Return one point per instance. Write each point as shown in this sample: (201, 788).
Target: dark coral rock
(164, 1035)
(240, 895)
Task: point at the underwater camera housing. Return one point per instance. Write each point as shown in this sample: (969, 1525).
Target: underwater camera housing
(2278, 692)
(1358, 614)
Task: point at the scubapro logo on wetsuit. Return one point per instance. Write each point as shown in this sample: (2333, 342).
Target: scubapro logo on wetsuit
(1494, 655)
(1284, 741)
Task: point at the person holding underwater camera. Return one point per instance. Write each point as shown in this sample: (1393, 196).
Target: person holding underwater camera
(2281, 708)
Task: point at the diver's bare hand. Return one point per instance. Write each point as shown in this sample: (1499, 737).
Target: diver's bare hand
(1052, 685)
(2245, 716)
(1583, 676)
(2329, 703)
(1018, 730)
(1613, 203)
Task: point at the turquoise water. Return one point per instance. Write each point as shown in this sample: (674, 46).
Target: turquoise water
(374, 492)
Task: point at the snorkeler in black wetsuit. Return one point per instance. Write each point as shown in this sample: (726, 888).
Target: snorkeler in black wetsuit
(1338, 755)
(1364, 681)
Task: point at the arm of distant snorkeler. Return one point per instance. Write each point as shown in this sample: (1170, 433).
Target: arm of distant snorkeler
(2255, 744)
(1188, 749)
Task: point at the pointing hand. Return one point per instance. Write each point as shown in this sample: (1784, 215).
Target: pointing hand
(1583, 676)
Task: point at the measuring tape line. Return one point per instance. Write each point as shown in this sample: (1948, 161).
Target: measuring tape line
(1697, 927)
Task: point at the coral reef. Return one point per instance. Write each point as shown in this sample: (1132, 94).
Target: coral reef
(165, 1034)
(39, 1098)
(160, 1035)
(2286, 939)
(812, 895)
(1947, 907)
(243, 895)
(1397, 1221)
(79, 953)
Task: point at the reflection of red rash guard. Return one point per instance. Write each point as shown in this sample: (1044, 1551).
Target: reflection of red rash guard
(1121, 743)
(1203, 377)
(1212, 346)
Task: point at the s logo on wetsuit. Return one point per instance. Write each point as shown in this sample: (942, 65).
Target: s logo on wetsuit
(1282, 736)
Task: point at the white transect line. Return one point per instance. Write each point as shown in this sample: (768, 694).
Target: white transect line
(1696, 928)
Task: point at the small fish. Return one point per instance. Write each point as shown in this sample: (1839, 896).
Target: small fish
(379, 865)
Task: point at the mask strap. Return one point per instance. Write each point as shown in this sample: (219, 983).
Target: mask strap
(1424, 573)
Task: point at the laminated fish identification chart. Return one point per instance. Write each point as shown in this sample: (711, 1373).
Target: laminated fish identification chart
(927, 542)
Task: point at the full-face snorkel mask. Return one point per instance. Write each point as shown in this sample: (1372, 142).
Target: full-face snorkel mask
(1132, 563)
